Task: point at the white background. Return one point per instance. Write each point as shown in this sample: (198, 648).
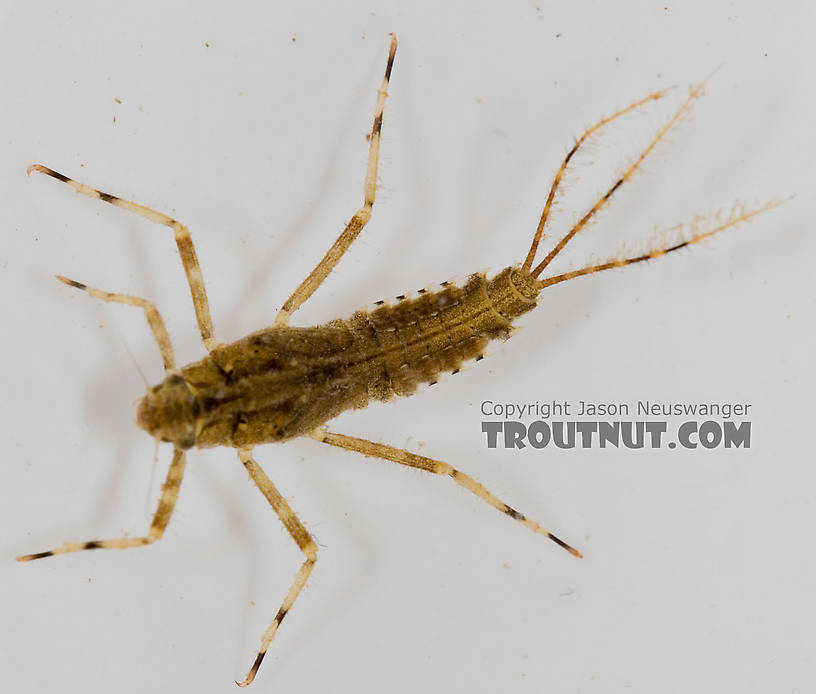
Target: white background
(699, 572)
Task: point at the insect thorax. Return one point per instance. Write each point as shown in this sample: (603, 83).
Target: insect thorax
(283, 382)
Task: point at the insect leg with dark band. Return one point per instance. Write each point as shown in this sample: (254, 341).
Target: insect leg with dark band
(437, 467)
(299, 534)
(167, 502)
(183, 241)
(360, 218)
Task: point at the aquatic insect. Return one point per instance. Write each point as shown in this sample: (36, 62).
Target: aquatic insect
(284, 382)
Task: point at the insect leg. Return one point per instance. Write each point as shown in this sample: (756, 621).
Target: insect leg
(183, 242)
(299, 534)
(528, 262)
(360, 218)
(437, 467)
(167, 502)
(735, 218)
(154, 319)
(684, 109)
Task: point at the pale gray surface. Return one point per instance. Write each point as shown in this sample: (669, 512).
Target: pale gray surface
(699, 572)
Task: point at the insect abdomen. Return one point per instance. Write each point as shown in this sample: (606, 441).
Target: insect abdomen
(418, 339)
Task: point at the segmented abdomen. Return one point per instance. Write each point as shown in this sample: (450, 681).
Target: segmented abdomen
(417, 340)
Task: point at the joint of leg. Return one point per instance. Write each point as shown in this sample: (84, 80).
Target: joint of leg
(319, 434)
(310, 550)
(364, 213)
(282, 319)
(446, 469)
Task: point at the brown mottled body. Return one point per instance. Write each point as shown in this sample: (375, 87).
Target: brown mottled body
(283, 382)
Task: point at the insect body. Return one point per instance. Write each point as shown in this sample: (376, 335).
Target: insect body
(285, 382)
